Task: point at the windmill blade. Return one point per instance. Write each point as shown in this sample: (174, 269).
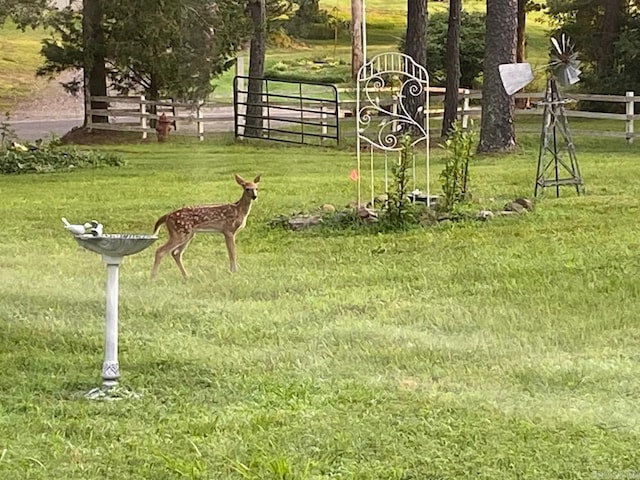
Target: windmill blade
(557, 45)
(515, 76)
(573, 75)
(564, 64)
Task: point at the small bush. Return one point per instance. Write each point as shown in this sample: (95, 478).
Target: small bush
(18, 159)
(312, 23)
(400, 211)
(322, 70)
(455, 175)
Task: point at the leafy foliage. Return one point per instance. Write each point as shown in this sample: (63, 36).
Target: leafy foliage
(310, 69)
(7, 133)
(471, 47)
(18, 159)
(583, 21)
(455, 175)
(168, 48)
(399, 211)
(23, 12)
(310, 22)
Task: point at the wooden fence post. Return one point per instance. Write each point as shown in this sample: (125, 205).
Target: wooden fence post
(143, 117)
(465, 107)
(199, 121)
(630, 114)
(87, 108)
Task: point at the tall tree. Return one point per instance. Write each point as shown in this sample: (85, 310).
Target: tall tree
(522, 22)
(497, 133)
(357, 42)
(612, 20)
(95, 73)
(257, 11)
(165, 49)
(415, 46)
(453, 67)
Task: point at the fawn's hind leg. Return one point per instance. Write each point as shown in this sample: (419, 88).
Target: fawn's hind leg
(172, 244)
(177, 252)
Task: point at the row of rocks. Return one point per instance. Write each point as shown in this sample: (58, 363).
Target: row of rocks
(514, 208)
(369, 215)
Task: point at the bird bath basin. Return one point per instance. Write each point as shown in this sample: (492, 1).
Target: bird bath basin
(115, 245)
(113, 248)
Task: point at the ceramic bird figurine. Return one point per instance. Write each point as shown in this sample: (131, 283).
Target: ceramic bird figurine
(75, 229)
(95, 228)
(18, 147)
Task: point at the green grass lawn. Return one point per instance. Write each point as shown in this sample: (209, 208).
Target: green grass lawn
(498, 350)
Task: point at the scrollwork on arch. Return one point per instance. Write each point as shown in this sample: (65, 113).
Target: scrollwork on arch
(389, 79)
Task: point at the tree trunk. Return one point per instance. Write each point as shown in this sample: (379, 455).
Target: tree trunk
(453, 67)
(497, 132)
(153, 94)
(415, 46)
(357, 50)
(521, 45)
(521, 41)
(95, 75)
(611, 23)
(257, 52)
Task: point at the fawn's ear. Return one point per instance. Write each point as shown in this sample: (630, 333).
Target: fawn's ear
(239, 179)
(257, 179)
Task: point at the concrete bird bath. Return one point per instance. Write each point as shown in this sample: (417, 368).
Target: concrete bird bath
(113, 248)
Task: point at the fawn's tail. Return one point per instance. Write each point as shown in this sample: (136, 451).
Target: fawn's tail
(159, 223)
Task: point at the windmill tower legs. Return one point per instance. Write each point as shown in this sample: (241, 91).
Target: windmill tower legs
(557, 162)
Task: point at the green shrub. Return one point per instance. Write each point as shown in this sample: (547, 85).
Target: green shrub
(400, 211)
(312, 23)
(455, 175)
(471, 47)
(322, 70)
(46, 159)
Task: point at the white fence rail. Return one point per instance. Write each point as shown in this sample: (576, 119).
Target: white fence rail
(131, 114)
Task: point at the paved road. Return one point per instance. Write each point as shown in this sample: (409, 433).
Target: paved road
(31, 130)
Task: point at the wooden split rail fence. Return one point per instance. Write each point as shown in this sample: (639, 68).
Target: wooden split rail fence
(131, 114)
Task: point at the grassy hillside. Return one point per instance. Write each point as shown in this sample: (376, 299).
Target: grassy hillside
(19, 59)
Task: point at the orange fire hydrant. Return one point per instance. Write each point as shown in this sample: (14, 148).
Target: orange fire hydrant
(163, 125)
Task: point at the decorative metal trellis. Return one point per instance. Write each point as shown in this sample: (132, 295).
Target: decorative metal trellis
(387, 84)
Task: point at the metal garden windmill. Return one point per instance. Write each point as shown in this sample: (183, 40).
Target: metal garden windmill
(557, 162)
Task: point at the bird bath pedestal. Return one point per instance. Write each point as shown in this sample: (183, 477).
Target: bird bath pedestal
(113, 249)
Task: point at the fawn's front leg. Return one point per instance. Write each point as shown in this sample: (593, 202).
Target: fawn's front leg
(230, 240)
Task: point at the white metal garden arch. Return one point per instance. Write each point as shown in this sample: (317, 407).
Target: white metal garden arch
(384, 85)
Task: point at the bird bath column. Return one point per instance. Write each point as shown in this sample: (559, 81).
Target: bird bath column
(110, 367)
(113, 248)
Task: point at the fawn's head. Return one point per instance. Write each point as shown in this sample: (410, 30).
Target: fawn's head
(250, 188)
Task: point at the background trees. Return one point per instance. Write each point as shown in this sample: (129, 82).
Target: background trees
(23, 12)
(415, 46)
(497, 132)
(606, 34)
(453, 67)
(257, 11)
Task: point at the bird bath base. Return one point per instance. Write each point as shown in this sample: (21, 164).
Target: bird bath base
(113, 249)
(113, 392)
